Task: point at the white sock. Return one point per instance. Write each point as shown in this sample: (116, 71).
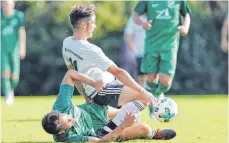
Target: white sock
(134, 107)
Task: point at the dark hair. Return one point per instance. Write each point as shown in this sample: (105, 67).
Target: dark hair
(50, 123)
(80, 12)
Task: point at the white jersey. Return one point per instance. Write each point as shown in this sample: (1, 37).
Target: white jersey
(138, 34)
(97, 74)
(84, 56)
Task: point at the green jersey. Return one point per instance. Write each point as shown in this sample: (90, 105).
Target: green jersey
(164, 33)
(88, 117)
(10, 30)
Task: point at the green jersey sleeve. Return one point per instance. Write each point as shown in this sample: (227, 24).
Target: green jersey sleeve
(141, 7)
(77, 138)
(64, 99)
(21, 19)
(184, 8)
(70, 138)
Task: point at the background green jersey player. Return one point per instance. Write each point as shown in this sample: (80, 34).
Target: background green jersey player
(162, 40)
(13, 48)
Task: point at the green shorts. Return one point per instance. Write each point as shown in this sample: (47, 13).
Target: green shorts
(10, 61)
(98, 114)
(160, 62)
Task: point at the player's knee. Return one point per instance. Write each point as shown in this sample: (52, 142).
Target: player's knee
(15, 77)
(166, 81)
(145, 129)
(153, 77)
(6, 74)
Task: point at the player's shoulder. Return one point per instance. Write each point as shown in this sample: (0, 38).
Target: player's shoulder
(81, 45)
(67, 38)
(70, 39)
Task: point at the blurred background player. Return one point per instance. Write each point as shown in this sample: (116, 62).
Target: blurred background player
(13, 48)
(134, 36)
(162, 41)
(224, 35)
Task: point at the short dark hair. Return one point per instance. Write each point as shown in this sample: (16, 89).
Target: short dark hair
(80, 12)
(50, 123)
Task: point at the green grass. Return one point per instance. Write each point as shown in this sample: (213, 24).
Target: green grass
(201, 119)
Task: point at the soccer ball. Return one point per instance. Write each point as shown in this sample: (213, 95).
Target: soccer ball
(166, 111)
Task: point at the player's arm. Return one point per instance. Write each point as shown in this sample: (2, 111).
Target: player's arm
(124, 77)
(184, 29)
(224, 33)
(105, 64)
(22, 42)
(145, 25)
(22, 35)
(107, 138)
(128, 121)
(129, 41)
(78, 86)
(72, 77)
(185, 12)
(64, 101)
(128, 35)
(140, 9)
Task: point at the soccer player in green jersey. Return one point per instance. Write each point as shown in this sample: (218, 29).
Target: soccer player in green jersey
(162, 41)
(13, 48)
(85, 123)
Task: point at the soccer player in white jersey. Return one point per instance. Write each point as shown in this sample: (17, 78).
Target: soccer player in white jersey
(81, 55)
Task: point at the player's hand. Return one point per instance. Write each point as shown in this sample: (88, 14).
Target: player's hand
(22, 54)
(129, 120)
(152, 100)
(147, 25)
(224, 47)
(99, 85)
(183, 30)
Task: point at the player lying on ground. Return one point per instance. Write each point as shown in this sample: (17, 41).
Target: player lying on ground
(84, 123)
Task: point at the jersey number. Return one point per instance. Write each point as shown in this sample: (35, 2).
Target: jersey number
(74, 64)
(163, 14)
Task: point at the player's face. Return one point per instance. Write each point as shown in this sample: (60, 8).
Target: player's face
(66, 121)
(91, 25)
(8, 5)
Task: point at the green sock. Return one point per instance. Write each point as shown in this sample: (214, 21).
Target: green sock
(14, 83)
(5, 85)
(151, 86)
(162, 89)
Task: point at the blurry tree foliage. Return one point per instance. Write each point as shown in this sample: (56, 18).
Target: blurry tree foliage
(201, 68)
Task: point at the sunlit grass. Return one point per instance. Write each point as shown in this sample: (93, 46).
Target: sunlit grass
(201, 119)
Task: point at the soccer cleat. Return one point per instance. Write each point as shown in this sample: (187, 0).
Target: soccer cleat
(9, 98)
(165, 134)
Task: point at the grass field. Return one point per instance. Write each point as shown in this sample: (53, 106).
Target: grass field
(201, 119)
